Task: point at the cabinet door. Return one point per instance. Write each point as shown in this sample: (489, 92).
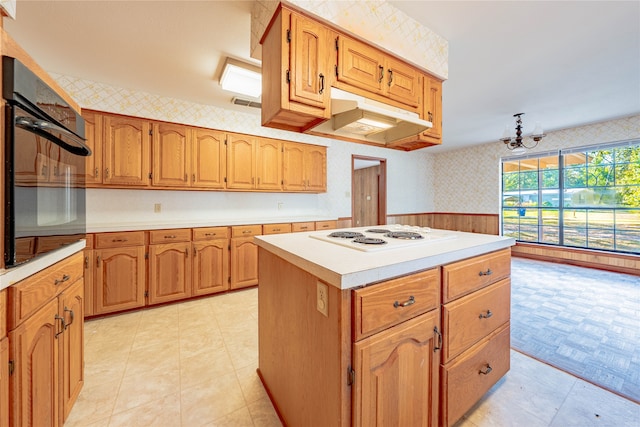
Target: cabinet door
(171, 156)
(127, 151)
(210, 267)
(315, 166)
(433, 106)
(360, 65)
(293, 176)
(34, 350)
(120, 279)
(396, 375)
(310, 50)
(169, 272)
(208, 159)
(93, 134)
(244, 262)
(403, 83)
(71, 308)
(4, 382)
(240, 162)
(269, 164)
(89, 285)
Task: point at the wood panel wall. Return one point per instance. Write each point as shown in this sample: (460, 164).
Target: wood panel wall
(472, 223)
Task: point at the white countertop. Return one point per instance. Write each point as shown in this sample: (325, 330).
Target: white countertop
(13, 275)
(195, 223)
(346, 268)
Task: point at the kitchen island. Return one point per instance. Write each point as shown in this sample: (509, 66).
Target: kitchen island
(382, 336)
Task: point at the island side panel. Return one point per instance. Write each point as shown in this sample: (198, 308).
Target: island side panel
(303, 355)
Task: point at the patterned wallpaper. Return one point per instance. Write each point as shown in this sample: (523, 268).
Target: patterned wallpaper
(469, 179)
(374, 20)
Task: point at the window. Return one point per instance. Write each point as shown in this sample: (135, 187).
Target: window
(585, 197)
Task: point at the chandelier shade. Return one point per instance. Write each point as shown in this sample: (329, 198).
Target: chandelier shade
(517, 144)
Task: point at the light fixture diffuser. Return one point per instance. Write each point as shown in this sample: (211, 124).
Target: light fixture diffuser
(241, 78)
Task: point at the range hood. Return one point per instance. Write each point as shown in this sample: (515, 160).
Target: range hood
(358, 118)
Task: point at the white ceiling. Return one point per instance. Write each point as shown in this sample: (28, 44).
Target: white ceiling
(563, 63)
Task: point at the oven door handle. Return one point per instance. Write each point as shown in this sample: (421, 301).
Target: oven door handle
(46, 130)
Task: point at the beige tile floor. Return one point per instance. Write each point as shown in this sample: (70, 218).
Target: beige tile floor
(194, 364)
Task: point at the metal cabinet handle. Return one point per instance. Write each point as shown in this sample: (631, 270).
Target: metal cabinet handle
(381, 68)
(321, 84)
(64, 279)
(439, 345)
(186, 253)
(71, 315)
(390, 77)
(96, 172)
(486, 316)
(61, 319)
(186, 177)
(119, 240)
(430, 116)
(485, 273)
(86, 262)
(170, 237)
(194, 177)
(246, 231)
(106, 173)
(486, 371)
(409, 302)
(210, 234)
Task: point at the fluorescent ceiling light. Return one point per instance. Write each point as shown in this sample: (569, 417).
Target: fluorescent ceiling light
(241, 78)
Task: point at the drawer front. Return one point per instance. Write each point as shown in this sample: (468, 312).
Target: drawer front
(469, 319)
(382, 305)
(326, 225)
(466, 380)
(170, 236)
(246, 230)
(463, 277)
(210, 233)
(28, 295)
(118, 240)
(276, 228)
(303, 226)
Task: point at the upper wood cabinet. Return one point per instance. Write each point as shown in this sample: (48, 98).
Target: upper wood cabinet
(432, 107)
(365, 67)
(304, 167)
(93, 134)
(296, 69)
(208, 159)
(171, 155)
(254, 163)
(127, 151)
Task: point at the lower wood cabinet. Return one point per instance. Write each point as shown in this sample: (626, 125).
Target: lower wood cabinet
(210, 266)
(46, 347)
(244, 263)
(397, 375)
(169, 272)
(119, 279)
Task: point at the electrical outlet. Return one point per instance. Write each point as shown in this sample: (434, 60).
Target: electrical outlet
(280, 204)
(157, 208)
(322, 299)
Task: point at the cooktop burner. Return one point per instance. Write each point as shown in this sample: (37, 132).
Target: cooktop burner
(369, 241)
(378, 230)
(405, 235)
(346, 234)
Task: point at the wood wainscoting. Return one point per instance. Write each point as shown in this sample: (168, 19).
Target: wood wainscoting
(621, 263)
(473, 223)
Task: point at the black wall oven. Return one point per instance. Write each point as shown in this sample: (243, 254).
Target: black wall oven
(44, 167)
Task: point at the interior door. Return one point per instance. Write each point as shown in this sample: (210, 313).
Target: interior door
(368, 191)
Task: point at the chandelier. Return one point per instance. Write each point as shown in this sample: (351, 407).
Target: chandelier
(517, 144)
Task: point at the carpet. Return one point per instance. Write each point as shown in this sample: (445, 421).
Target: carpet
(580, 320)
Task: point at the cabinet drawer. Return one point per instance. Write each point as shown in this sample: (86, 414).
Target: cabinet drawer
(276, 228)
(28, 295)
(326, 225)
(210, 233)
(466, 380)
(463, 277)
(118, 240)
(303, 226)
(469, 319)
(246, 230)
(170, 236)
(385, 304)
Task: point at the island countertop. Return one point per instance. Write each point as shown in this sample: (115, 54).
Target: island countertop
(346, 268)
